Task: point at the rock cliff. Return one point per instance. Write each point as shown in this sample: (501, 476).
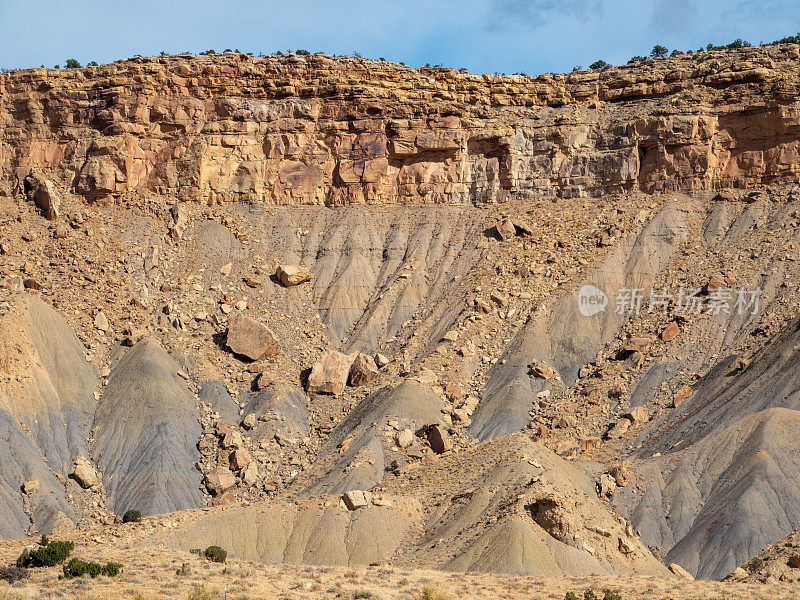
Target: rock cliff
(325, 130)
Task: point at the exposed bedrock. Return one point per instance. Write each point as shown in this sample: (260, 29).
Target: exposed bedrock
(336, 131)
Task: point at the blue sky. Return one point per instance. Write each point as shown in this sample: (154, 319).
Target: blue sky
(486, 36)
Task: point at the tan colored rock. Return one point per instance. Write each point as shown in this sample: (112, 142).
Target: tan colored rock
(681, 395)
(240, 459)
(249, 421)
(232, 439)
(84, 473)
(621, 474)
(381, 361)
(44, 194)
(250, 475)
(363, 371)
(619, 429)
(355, 499)
(101, 322)
(680, 571)
(637, 415)
(290, 275)
(541, 370)
(606, 486)
(794, 561)
(405, 438)
(670, 332)
(330, 373)
(250, 339)
(30, 487)
(505, 228)
(219, 481)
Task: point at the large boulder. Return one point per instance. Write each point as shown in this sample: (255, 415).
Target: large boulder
(290, 275)
(330, 373)
(85, 473)
(44, 194)
(250, 338)
(363, 370)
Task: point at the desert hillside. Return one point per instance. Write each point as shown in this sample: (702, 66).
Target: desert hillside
(331, 311)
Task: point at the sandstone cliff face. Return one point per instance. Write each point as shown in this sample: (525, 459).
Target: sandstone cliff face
(321, 130)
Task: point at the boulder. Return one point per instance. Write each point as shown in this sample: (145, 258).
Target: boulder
(354, 499)
(637, 415)
(681, 395)
(670, 332)
(680, 571)
(619, 429)
(240, 459)
(621, 475)
(249, 421)
(84, 473)
(251, 339)
(438, 439)
(381, 360)
(541, 370)
(44, 194)
(330, 373)
(30, 487)
(634, 344)
(794, 561)
(405, 438)
(219, 481)
(505, 228)
(363, 370)
(101, 321)
(290, 275)
(606, 486)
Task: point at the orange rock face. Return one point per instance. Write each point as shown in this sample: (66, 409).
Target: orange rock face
(335, 131)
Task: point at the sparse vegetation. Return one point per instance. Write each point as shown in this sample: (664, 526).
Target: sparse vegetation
(216, 554)
(132, 516)
(201, 592)
(755, 565)
(77, 568)
(72, 64)
(430, 592)
(599, 64)
(49, 555)
(303, 52)
(12, 574)
(362, 594)
(590, 595)
(658, 51)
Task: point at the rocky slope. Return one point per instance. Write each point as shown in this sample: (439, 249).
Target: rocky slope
(196, 251)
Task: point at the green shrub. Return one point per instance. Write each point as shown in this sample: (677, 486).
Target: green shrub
(362, 595)
(72, 64)
(215, 554)
(132, 516)
(599, 64)
(571, 596)
(755, 565)
(198, 551)
(610, 595)
(54, 553)
(77, 568)
(12, 574)
(590, 595)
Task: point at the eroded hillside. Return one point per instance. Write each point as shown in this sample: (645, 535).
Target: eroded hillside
(156, 354)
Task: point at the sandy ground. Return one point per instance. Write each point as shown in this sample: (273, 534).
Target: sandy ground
(151, 572)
